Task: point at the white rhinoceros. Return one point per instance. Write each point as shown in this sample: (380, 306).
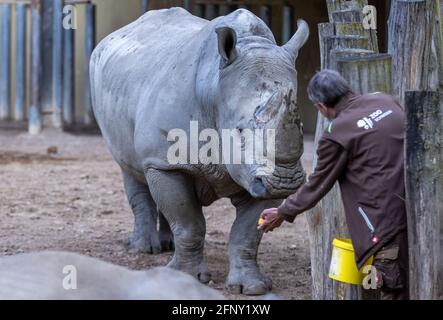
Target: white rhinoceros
(70, 276)
(170, 69)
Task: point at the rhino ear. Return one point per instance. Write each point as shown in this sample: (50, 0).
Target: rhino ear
(227, 41)
(298, 40)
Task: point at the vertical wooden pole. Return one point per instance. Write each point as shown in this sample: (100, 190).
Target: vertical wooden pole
(210, 11)
(287, 24)
(89, 47)
(410, 38)
(20, 69)
(423, 170)
(265, 14)
(276, 14)
(186, 5)
(145, 6)
(57, 63)
(5, 57)
(68, 76)
(35, 117)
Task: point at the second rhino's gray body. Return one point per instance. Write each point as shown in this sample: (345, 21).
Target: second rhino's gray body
(70, 276)
(169, 68)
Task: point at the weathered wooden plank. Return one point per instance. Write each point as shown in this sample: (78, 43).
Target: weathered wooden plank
(367, 73)
(336, 54)
(287, 23)
(356, 28)
(347, 16)
(413, 64)
(276, 14)
(57, 64)
(337, 5)
(68, 77)
(145, 6)
(5, 55)
(324, 30)
(20, 65)
(89, 47)
(424, 169)
(343, 42)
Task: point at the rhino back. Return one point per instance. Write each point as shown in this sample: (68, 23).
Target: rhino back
(131, 70)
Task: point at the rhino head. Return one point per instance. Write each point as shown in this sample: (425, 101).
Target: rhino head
(257, 89)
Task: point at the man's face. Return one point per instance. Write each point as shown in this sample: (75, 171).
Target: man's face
(326, 111)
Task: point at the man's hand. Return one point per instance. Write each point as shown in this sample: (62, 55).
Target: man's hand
(271, 220)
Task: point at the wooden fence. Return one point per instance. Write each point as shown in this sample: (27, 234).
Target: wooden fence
(61, 111)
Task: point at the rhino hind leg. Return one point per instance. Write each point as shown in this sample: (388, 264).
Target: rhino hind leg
(244, 274)
(145, 237)
(165, 234)
(174, 195)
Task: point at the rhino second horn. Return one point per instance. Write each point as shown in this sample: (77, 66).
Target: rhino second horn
(227, 42)
(298, 39)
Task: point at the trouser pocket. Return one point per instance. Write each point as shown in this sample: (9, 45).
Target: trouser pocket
(389, 272)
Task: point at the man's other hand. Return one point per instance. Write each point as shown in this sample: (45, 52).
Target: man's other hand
(271, 220)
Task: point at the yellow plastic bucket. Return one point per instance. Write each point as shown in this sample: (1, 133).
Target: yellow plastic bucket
(343, 267)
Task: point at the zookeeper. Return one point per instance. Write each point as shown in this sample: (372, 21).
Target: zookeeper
(362, 149)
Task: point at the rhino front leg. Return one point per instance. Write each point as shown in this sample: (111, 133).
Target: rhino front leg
(145, 237)
(175, 197)
(244, 274)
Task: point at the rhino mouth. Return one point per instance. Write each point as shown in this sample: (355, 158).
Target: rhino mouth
(284, 181)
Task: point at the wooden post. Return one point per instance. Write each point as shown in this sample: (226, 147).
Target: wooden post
(20, 68)
(356, 28)
(410, 38)
(5, 56)
(145, 6)
(57, 63)
(89, 47)
(265, 14)
(338, 5)
(343, 42)
(210, 12)
(276, 14)
(424, 175)
(68, 76)
(186, 5)
(287, 24)
(35, 117)
(325, 30)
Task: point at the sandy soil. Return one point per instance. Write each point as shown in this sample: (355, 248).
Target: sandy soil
(62, 191)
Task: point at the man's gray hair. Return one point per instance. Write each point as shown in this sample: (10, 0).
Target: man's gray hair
(328, 87)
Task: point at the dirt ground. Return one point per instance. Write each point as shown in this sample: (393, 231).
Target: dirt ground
(61, 191)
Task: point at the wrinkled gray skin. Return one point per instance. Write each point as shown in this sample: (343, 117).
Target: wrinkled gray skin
(41, 275)
(168, 68)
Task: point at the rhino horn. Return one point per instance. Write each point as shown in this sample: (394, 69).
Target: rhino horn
(227, 41)
(298, 40)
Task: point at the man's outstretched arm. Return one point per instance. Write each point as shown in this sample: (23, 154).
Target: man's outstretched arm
(331, 162)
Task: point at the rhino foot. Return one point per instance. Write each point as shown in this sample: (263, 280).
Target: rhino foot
(198, 270)
(248, 282)
(143, 244)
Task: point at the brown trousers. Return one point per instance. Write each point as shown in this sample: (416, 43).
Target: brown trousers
(392, 265)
